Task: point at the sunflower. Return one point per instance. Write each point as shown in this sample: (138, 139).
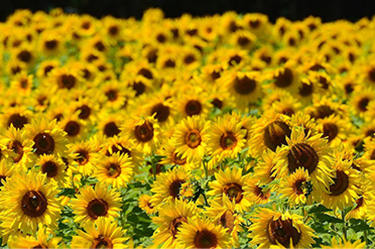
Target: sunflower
(224, 214)
(94, 202)
(308, 152)
(345, 244)
(144, 132)
(30, 201)
(190, 138)
(42, 240)
(18, 146)
(264, 170)
(226, 138)
(230, 183)
(296, 187)
(363, 203)
(65, 78)
(343, 191)
(46, 137)
(85, 157)
(53, 167)
(244, 86)
(6, 171)
(170, 156)
(360, 101)
(286, 77)
(99, 234)
(74, 127)
(202, 233)
(335, 129)
(109, 123)
(22, 83)
(145, 204)
(192, 101)
(116, 170)
(169, 186)
(256, 192)
(50, 43)
(284, 230)
(270, 132)
(17, 116)
(171, 216)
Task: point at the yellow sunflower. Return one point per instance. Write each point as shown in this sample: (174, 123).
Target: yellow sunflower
(99, 234)
(170, 156)
(226, 137)
(169, 186)
(224, 214)
(47, 138)
(145, 204)
(171, 216)
(286, 230)
(42, 240)
(230, 183)
(116, 170)
(30, 201)
(190, 138)
(308, 152)
(296, 187)
(85, 156)
(54, 167)
(345, 244)
(202, 233)
(94, 202)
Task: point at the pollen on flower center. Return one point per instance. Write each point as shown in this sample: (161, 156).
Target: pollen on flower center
(97, 207)
(193, 138)
(283, 231)
(113, 170)
(144, 132)
(205, 239)
(228, 140)
(34, 203)
(43, 143)
(233, 191)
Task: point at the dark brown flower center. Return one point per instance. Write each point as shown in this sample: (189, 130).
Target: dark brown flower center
(323, 111)
(175, 186)
(72, 128)
(85, 112)
(43, 143)
(176, 159)
(175, 224)
(144, 132)
(371, 74)
(97, 207)
(82, 157)
(193, 107)
(17, 120)
(359, 202)
(51, 44)
(162, 112)
(261, 193)
(349, 88)
(283, 231)
(16, 147)
(243, 41)
(113, 170)
(111, 129)
(102, 242)
(99, 46)
(113, 30)
(170, 63)
(50, 168)
(306, 89)
(34, 203)
(341, 183)
(235, 59)
(284, 79)
(188, 59)
(39, 246)
(119, 148)
(275, 134)
(193, 138)
(66, 81)
(233, 191)
(111, 94)
(228, 141)
(362, 104)
(227, 221)
(298, 186)
(244, 86)
(302, 155)
(330, 130)
(139, 88)
(146, 73)
(25, 56)
(205, 239)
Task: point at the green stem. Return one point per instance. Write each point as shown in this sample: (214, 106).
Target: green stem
(365, 235)
(205, 169)
(344, 229)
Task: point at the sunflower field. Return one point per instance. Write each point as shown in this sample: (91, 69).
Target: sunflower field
(226, 131)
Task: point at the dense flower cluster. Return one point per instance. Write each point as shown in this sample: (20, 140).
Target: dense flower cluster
(215, 132)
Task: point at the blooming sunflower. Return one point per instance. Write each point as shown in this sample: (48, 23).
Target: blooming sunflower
(170, 156)
(345, 244)
(171, 216)
(94, 202)
(30, 201)
(224, 214)
(296, 187)
(270, 132)
(145, 204)
(190, 138)
(231, 183)
(169, 185)
(42, 240)
(99, 234)
(53, 167)
(85, 155)
(116, 170)
(343, 191)
(255, 191)
(202, 233)
(226, 138)
(308, 152)
(281, 229)
(47, 138)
